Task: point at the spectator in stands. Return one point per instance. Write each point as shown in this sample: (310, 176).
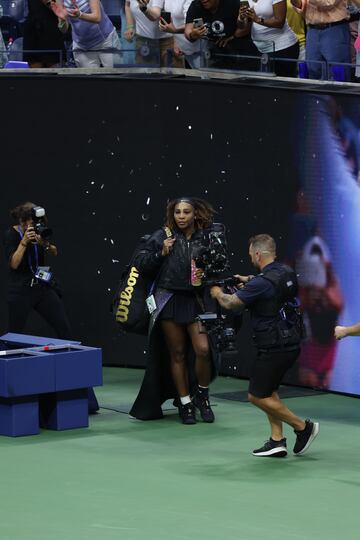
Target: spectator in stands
(357, 41)
(41, 33)
(95, 38)
(221, 32)
(3, 55)
(297, 25)
(271, 33)
(182, 46)
(328, 34)
(152, 45)
(129, 33)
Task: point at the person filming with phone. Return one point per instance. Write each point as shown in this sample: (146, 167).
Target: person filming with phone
(271, 33)
(170, 15)
(216, 21)
(31, 285)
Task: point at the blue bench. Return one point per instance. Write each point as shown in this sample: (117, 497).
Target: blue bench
(44, 383)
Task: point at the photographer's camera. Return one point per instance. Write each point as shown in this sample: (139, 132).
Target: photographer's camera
(40, 227)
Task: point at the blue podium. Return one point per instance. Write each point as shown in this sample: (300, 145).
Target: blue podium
(44, 383)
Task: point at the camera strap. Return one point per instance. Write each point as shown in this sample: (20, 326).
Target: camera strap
(29, 255)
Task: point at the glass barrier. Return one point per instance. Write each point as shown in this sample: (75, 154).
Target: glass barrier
(343, 72)
(144, 53)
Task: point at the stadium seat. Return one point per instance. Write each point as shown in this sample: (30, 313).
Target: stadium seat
(9, 28)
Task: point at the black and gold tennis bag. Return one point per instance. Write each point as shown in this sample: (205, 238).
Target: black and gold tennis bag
(129, 304)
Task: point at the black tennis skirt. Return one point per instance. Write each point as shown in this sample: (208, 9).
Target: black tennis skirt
(182, 308)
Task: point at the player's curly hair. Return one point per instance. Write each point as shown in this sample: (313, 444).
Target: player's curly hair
(204, 212)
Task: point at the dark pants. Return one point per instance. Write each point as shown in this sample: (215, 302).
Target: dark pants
(46, 302)
(286, 69)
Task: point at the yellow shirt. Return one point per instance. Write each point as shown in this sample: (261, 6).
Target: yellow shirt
(296, 23)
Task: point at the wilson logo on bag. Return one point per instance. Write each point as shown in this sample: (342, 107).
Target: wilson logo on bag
(126, 294)
(129, 303)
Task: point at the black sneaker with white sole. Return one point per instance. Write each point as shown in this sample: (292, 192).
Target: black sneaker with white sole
(272, 448)
(305, 437)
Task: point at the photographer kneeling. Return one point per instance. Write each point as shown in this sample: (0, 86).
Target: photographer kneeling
(31, 285)
(277, 326)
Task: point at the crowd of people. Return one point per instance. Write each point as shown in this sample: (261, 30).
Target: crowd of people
(199, 33)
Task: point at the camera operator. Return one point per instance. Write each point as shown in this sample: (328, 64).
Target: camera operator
(181, 361)
(31, 285)
(269, 297)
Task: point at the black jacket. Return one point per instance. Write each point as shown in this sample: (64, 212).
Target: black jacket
(172, 272)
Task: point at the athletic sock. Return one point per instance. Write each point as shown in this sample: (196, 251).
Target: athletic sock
(185, 400)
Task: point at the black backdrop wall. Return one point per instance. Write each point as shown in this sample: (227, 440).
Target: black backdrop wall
(103, 155)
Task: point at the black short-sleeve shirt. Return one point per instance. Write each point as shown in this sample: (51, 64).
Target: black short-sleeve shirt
(256, 289)
(22, 276)
(220, 24)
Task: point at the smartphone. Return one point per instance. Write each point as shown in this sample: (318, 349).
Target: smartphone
(244, 4)
(166, 15)
(197, 23)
